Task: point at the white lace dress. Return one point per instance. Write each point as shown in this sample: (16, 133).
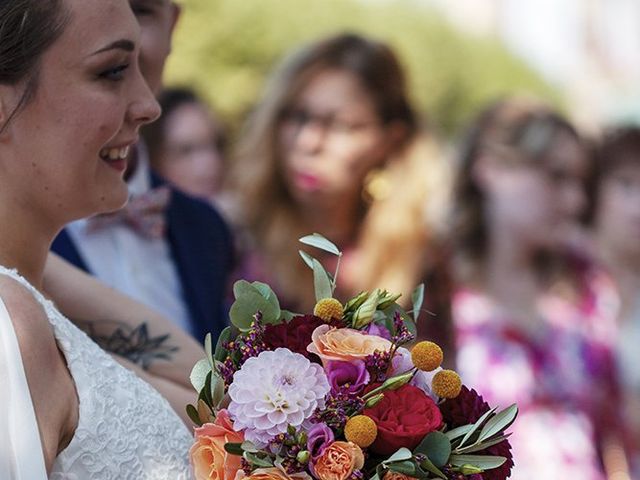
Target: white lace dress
(126, 429)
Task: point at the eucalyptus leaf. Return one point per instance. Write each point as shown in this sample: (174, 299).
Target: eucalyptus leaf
(266, 291)
(255, 460)
(499, 422)
(429, 466)
(221, 352)
(458, 432)
(406, 467)
(485, 462)
(207, 349)
(204, 412)
(233, 448)
(318, 241)
(417, 298)
(242, 287)
(400, 455)
(308, 259)
(476, 426)
(193, 414)
(248, 304)
(437, 446)
(321, 281)
(199, 374)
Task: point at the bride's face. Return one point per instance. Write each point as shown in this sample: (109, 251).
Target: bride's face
(68, 144)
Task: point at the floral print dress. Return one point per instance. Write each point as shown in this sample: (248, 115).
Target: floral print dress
(561, 375)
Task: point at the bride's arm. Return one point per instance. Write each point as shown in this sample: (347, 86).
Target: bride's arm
(122, 325)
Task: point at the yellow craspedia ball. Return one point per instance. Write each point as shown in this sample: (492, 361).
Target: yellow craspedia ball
(426, 356)
(328, 308)
(361, 430)
(446, 384)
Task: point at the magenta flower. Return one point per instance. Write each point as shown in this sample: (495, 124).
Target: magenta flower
(320, 436)
(349, 377)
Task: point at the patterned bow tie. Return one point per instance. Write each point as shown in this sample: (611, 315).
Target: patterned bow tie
(143, 213)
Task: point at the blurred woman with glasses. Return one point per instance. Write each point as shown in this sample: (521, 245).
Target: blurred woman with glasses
(335, 147)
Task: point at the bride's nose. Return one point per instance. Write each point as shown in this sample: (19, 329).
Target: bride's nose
(144, 107)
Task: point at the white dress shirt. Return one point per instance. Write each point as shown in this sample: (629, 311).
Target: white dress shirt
(140, 267)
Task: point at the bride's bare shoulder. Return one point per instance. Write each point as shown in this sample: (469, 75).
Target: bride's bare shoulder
(50, 383)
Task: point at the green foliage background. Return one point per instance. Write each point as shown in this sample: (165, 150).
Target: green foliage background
(225, 48)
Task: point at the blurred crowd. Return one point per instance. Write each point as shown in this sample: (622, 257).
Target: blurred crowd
(525, 232)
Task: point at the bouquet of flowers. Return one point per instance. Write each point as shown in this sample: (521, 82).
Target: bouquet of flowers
(337, 395)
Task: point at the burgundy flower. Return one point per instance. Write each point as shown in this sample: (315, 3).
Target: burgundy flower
(294, 335)
(467, 408)
(347, 376)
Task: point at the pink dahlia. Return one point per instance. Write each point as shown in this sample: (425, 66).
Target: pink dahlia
(273, 390)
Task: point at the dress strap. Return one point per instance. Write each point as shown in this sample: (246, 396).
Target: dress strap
(21, 456)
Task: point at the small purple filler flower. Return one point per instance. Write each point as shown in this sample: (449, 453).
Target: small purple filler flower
(320, 436)
(350, 377)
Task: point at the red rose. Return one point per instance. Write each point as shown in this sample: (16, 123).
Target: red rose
(294, 335)
(404, 417)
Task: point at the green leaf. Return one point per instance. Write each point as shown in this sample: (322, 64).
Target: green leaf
(417, 298)
(485, 462)
(321, 281)
(217, 390)
(458, 432)
(248, 446)
(248, 304)
(476, 426)
(407, 467)
(437, 447)
(402, 454)
(253, 459)
(476, 447)
(499, 423)
(193, 414)
(207, 389)
(242, 287)
(308, 259)
(221, 352)
(364, 315)
(287, 316)
(233, 448)
(318, 241)
(199, 374)
(266, 292)
(429, 466)
(208, 350)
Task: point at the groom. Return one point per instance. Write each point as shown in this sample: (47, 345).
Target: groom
(181, 264)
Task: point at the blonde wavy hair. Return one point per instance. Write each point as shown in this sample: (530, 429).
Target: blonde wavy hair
(396, 225)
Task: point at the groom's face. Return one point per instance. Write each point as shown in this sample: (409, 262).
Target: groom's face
(157, 18)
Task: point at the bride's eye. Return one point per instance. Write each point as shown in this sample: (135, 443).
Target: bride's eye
(114, 74)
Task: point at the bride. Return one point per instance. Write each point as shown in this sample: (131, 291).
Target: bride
(71, 102)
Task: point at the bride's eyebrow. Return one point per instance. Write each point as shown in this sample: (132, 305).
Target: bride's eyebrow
(123, 44)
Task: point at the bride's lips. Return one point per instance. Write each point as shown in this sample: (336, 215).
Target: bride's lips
(116, 157)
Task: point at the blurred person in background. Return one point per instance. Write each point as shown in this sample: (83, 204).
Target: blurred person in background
(187, 143)
(528, 321)
(335, 147)
(616, 222)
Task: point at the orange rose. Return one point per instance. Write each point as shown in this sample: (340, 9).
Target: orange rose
(271, 473)
(338, 461)
(345, 344)
(209, 459)
(391, 475)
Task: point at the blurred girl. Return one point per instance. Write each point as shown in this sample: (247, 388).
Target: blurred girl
(528, 318)
(617, 232)
(334, 147)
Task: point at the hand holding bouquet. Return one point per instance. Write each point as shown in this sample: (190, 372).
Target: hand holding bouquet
(337, 395)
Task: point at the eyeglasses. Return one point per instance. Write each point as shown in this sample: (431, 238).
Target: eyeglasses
(329, 123)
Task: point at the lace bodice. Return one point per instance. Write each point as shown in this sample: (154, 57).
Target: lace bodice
(126, 429)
